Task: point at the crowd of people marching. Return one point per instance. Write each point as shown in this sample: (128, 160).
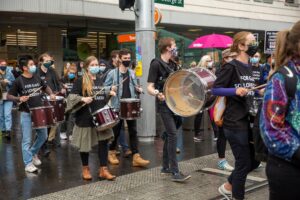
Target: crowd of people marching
(259, 123)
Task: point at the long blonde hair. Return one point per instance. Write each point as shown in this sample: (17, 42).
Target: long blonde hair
(287, 45)
(203, 60)
(87, 82)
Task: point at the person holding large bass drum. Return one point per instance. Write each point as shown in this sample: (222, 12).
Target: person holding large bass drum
(128, 106)
(26, 92)
(89, 93)
(160, 70)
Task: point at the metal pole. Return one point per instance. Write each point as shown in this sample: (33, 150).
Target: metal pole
(145, 52)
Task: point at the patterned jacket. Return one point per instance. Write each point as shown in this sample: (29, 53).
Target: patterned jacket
(280, 120)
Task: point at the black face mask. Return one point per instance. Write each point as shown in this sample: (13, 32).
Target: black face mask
(252, 49)
(126, 63)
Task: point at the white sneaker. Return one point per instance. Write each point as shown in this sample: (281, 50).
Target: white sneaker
(36, 161)
(70, 138)
(30, 168)
(63, 136)
(226, 193)
(224, 165)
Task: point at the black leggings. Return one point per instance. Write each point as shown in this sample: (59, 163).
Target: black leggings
(102, 154)
(221, 143)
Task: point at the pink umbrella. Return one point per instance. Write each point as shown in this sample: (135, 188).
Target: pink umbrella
(211, 41)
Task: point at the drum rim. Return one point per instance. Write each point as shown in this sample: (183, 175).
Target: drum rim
(97, 111)
(35, 108)
(205, 84)
(57, 98)
(130, 100)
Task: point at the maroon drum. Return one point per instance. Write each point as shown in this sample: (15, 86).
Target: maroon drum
(130, 108)
(105, 118)
(42, 117)
(59, 107)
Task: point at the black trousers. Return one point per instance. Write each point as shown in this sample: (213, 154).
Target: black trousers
(221, 143)
(171, 123)
(133, 140)
(102, 154)
(243, 152)
(284, 179)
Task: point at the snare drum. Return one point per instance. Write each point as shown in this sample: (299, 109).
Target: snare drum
(105, 118)
(130, 108)
(188, 92)
(42, 117)
(59, 107)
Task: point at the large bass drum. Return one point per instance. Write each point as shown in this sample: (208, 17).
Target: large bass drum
(188, 92)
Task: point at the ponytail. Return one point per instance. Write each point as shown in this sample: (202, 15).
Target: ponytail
(281, 57)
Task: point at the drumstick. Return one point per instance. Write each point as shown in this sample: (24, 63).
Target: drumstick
(258, 87)
(99, 92)
(31, 94)
(35, 91)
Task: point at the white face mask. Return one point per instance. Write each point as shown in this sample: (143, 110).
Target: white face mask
(210, 64)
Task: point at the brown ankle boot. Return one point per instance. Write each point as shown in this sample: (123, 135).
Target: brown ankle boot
(112, 158)
(86, 174)
(105, 174)
(138, 161)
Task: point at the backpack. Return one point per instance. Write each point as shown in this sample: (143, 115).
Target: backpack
(290, 80)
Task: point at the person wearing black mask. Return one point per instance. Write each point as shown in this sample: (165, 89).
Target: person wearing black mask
(127, 88)
(160, 70)
(234, 81)
(48, 74)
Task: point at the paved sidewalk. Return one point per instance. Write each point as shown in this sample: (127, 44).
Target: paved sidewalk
(150, 185)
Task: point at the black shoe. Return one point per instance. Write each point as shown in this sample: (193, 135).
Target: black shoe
(179, 177)
(7, 135)
(165, 171)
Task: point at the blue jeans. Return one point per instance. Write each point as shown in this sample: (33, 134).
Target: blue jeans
(5, 115)
(122, 139)
(243, 152)
(29, 150)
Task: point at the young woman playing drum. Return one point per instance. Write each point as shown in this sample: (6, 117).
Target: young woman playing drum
(89, 91)
(234, 81)
(26, 91)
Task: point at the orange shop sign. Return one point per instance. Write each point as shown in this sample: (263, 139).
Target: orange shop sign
(130, 37)
(126, 38)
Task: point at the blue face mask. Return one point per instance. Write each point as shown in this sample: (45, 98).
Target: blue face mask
(71, 75)
(254, 60)
(94, 69)
(3, 68)
(32, 69)
(102, 68)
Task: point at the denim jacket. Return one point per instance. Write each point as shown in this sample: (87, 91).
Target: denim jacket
(112, 79)
(10, 77)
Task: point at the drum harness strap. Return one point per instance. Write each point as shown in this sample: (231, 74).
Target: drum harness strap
(168, 71)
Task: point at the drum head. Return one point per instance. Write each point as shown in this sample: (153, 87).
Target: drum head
(56, 97)
(185, 91)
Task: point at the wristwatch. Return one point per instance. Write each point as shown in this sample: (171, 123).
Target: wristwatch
(156, 92)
